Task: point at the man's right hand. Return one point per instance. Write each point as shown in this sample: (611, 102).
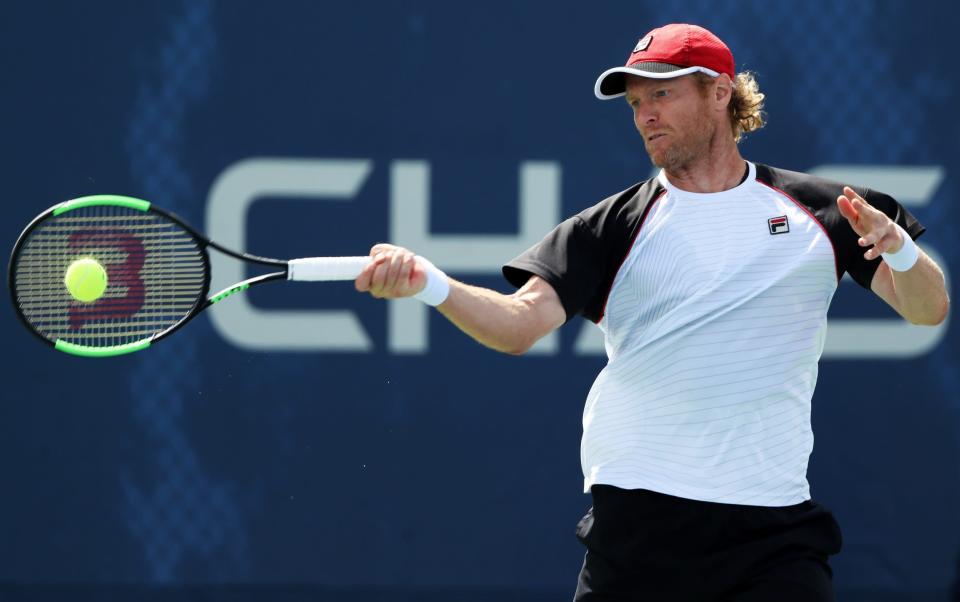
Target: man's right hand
(393, 273)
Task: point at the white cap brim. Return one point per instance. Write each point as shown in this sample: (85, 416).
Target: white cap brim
(618, 72)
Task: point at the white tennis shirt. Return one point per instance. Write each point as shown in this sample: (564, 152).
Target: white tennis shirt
(714, 314)
(713, 329)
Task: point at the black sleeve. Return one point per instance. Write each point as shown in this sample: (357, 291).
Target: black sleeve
(569, 258)
(819, 197)
(580, 257)
(850, 253)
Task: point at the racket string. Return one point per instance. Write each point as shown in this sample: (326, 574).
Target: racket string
(156, 275)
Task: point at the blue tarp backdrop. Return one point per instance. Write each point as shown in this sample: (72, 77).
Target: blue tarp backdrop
(304, 436)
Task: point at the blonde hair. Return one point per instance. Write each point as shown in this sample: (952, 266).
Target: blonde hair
(746, 103)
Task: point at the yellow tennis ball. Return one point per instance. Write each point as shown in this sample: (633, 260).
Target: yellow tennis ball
(86, 279)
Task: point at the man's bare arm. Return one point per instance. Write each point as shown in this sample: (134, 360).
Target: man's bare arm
(507, 323)
(918, 294)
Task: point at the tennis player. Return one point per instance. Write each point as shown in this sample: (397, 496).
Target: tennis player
(711, 283)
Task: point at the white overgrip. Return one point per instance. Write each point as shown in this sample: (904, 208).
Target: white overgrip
(315, 269)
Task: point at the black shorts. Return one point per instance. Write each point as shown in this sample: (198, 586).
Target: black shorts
(653, 547)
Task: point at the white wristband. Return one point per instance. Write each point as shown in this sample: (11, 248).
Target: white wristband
(906, 257)
(438, 286)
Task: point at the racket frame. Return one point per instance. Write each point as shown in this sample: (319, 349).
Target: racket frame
(203, 301)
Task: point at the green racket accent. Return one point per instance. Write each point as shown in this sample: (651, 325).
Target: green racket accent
(157, 275)
(85, 351)
(100, 200)
(228, 292)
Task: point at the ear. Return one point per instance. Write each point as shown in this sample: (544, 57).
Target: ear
(723, 90)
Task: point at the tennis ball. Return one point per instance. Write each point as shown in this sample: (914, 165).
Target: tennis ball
(86, 279)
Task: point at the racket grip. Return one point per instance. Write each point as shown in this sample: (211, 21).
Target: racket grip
(312, 269)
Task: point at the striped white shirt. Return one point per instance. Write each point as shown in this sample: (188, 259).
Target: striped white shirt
(714, 313)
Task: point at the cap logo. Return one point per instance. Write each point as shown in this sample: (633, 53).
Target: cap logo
(643, 44)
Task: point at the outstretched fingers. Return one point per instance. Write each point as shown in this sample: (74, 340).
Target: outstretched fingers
(877, 231)
(847, 210)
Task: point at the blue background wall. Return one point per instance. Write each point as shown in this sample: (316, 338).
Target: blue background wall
(201, 466)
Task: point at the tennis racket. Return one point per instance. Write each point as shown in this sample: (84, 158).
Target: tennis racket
(154, 270)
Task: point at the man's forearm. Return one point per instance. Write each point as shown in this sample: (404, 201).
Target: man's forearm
(921, 292)
(507, 323)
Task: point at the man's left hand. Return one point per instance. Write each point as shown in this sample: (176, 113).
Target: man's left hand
(874, 226)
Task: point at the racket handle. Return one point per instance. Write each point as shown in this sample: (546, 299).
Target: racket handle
(311, 269)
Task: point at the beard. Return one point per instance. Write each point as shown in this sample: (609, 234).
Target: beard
(686, 149)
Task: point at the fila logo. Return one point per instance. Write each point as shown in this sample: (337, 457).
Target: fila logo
(778, 225)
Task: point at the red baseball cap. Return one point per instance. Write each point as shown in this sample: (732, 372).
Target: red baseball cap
(669, 51)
